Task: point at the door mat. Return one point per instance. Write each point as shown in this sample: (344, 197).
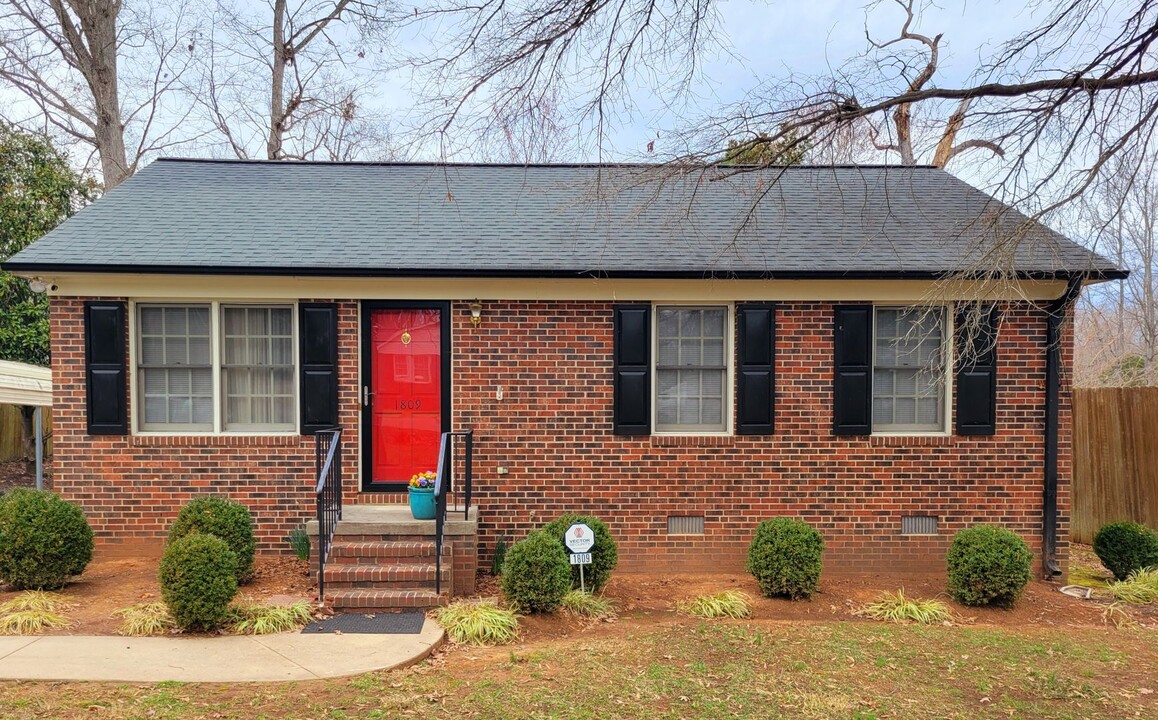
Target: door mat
(386, 623)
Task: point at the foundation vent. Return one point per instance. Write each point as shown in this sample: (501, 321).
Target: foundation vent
(918, 525)
(685, 525)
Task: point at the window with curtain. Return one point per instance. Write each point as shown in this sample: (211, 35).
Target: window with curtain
(175, 368)
(691, 369)
(257, 372)
(180, 353)
(909, 372)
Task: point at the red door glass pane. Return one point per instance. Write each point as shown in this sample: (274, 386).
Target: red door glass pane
(406, 382)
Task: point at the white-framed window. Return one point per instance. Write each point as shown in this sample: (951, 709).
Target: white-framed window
(692, 387)
(215, 367)
(910, 369)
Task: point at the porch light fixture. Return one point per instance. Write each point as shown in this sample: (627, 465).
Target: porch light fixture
(39, 285)
(476, 313)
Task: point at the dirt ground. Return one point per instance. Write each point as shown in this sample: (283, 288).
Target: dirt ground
(18, 474)
(112, 584)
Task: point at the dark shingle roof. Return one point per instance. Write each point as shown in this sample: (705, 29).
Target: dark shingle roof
(456, 220)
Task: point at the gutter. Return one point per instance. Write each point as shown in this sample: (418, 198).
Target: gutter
(1055, 315)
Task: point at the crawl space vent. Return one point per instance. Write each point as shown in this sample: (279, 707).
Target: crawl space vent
(918, 525)
(685, 525)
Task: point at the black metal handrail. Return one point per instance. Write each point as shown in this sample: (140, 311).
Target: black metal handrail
(450, 447)
(328, 464)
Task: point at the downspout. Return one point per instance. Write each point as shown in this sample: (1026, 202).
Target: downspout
(1055, 315)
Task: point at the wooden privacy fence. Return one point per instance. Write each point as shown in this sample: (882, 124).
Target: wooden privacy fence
(11, 433)
(1115, 458)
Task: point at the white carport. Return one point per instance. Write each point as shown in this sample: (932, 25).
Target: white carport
(24, 384)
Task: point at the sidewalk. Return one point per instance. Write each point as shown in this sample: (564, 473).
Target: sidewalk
(242, 658)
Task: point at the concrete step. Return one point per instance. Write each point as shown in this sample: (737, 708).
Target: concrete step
(378, 552)
(384, 577)
(385, 600)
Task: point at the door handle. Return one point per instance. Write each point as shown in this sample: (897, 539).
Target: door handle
(366, 395)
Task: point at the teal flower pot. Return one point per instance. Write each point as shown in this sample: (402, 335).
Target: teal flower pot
(422, 503)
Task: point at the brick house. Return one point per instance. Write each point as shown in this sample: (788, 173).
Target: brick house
(680, 356)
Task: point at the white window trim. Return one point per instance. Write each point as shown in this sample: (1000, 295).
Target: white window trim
(729, 389)
(215, 355)
(947, 328)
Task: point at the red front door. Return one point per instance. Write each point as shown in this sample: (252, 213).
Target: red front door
(405, 393)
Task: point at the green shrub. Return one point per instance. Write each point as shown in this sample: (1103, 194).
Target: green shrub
(198, 580)
(536, 574)
(500, 556)
(988, 565)
(604, 553)
(785, 557)
(44, 540)
(228, 520)
(1124, 547)
(299, 540)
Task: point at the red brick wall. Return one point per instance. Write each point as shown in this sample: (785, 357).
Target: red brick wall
(552, 430)
(132, 487)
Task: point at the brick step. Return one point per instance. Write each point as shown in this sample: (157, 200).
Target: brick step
(374, 552)
(384, 577)
(385, 600)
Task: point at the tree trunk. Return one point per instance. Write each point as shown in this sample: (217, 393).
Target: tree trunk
(28, 436)
(98, 26)
(277, 109)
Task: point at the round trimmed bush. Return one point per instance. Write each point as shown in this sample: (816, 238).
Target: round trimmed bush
(228, 520)
(44, 540)
(785, 557)
(604, 553)
(536, 574)
(1124, 547)
(198, 580)
(988, 565)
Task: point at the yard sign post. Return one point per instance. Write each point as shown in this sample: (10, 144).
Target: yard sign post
(579, 539)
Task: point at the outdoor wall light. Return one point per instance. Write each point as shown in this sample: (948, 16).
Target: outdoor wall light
(476, 313)
(39, 285)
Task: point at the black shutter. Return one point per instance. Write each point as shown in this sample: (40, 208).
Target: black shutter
(852, 370)
(756, 354)
(319, 372)
(105, 370)
(632, 414)
(976, 384)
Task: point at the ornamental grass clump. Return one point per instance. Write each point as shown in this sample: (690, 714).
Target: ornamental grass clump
(257, 619)
(584, 604)
(198, 581)
(479, 622)
(785, 558)
(299, 541)
(225, 519)
(604, 553)
(33, 612)
(1140, 588)
(988, 565)
(729, 603)
(1124, 547)
(895, 607)
(536, 574)
(44, 541)
(145, 619)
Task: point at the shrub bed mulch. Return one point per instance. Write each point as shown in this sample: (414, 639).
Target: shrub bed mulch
(650, 598)
(109, 584)
(18, 474)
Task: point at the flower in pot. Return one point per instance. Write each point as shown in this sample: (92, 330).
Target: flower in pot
(422, 505)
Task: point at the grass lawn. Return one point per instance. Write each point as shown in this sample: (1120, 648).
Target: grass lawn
(692, 669)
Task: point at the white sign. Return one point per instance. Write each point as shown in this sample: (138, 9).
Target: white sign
(579, 538)
(580, 558)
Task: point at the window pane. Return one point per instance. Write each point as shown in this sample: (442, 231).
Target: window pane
(690, 384)
(174, 359)
(908, 375)
(257, 368)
